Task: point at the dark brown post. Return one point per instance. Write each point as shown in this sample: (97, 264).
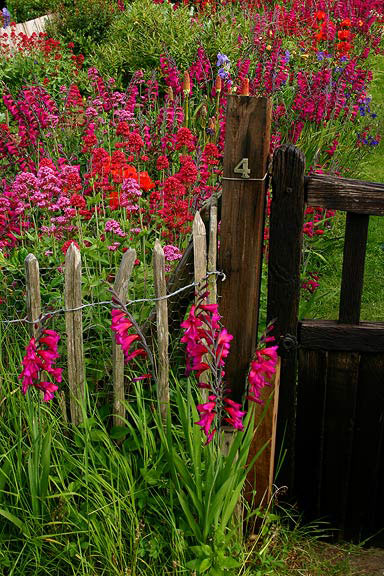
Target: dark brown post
(242, 223)
(286, 225)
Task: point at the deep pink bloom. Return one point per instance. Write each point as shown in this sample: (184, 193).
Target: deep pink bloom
(262, 370)
(235, 415)
(121, 326)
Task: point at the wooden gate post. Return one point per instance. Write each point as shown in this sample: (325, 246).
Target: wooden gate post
(286, 226)
(246, 156)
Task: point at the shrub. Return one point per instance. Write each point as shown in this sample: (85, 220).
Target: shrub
(23, 10)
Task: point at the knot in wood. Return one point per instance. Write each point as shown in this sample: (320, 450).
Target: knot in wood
(288, 343)
(288, 190)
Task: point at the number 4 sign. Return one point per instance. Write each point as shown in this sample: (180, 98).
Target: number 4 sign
(242, 168)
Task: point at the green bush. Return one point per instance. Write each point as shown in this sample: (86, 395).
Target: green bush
(142, 32)
(83, 22)
(23, 10)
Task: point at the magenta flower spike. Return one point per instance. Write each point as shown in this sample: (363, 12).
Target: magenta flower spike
(121, 326)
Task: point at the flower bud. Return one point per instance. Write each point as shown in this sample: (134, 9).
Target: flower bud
(218, 84)
(244, 89)
(187, 83)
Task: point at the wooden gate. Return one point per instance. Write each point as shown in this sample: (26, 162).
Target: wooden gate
(331, 410)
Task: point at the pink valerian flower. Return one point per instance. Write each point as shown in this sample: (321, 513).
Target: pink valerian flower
(39, 360)
(121, 326)
(262, 370)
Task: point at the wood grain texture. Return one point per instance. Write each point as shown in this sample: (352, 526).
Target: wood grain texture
(286, 225)
(339, 429)
(331, 335)
(309, 446)
(261, 477)
(121, 288)
(241, 233)
(212, 252)
(199, 236)
(162, 330)
(32, 279)
(365, 509)
(74, 329)
(345, 194)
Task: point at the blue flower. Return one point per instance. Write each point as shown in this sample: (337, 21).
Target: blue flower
(6, 17)
(320, 56)
(223, 61)
(287, 56)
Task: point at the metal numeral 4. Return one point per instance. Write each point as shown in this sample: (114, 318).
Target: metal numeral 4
(242, 168)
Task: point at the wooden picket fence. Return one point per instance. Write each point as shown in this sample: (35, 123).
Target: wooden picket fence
(204, 272)
(35, 26)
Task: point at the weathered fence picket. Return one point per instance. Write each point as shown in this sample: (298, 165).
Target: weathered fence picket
(212, 252)
(199, 235)
(121, 290)
(162, 329)
(74, 329)
(32, 282)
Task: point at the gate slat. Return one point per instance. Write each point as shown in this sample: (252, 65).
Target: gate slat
(340, 413)
(311, 398)
(355, 244)
(366, 504)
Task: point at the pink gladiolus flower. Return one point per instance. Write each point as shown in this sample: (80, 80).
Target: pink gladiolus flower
(262, 370)
(121, 326)
(235, 415)
(207, 414)
(38, 360)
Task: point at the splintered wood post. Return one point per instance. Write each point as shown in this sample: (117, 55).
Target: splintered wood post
(286, 233)
(121, 289)
(32, 277)
(212, 253)
(199, 253)
(162, 330)
(74, 328)
(246, 156)
(261, 477)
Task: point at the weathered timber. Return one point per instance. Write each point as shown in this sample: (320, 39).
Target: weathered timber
(261, 476)
(345, 194)
(286, 225)
(241, 234)
(74, 329)
(162, 330)
(32, 279)
(331, 335)
(212, 252)
(355, 244)
(365, 508)
(199, 236)
(339, 425)
(121, 288)
(309, 446)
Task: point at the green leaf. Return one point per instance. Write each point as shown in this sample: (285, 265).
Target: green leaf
(14, 520)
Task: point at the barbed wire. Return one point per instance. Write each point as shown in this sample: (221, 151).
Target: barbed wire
(51, 313)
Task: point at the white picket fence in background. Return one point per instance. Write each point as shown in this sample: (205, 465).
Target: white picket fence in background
(37, 25)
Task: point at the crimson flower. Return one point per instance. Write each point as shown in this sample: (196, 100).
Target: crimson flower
(121, 326)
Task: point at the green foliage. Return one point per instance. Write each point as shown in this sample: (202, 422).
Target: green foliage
(83, 22)
(23, 10)
(144, 31)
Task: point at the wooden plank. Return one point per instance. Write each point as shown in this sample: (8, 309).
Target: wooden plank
(331, 335)
(162, 330)
(74, 329)
(32, 280)
(355, 244)
(212, 252)
(199, 253)
(365, 508)
(345, 194)
(261, 477)
(241, 234)
(121, 288)
(339, 427)
(311, 397)
(286, 225)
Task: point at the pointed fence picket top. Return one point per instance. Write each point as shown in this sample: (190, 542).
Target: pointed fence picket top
(74, 328)
(199, 253)
(32, 277)
(121, 289)
(162, 329)
(212, 253)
